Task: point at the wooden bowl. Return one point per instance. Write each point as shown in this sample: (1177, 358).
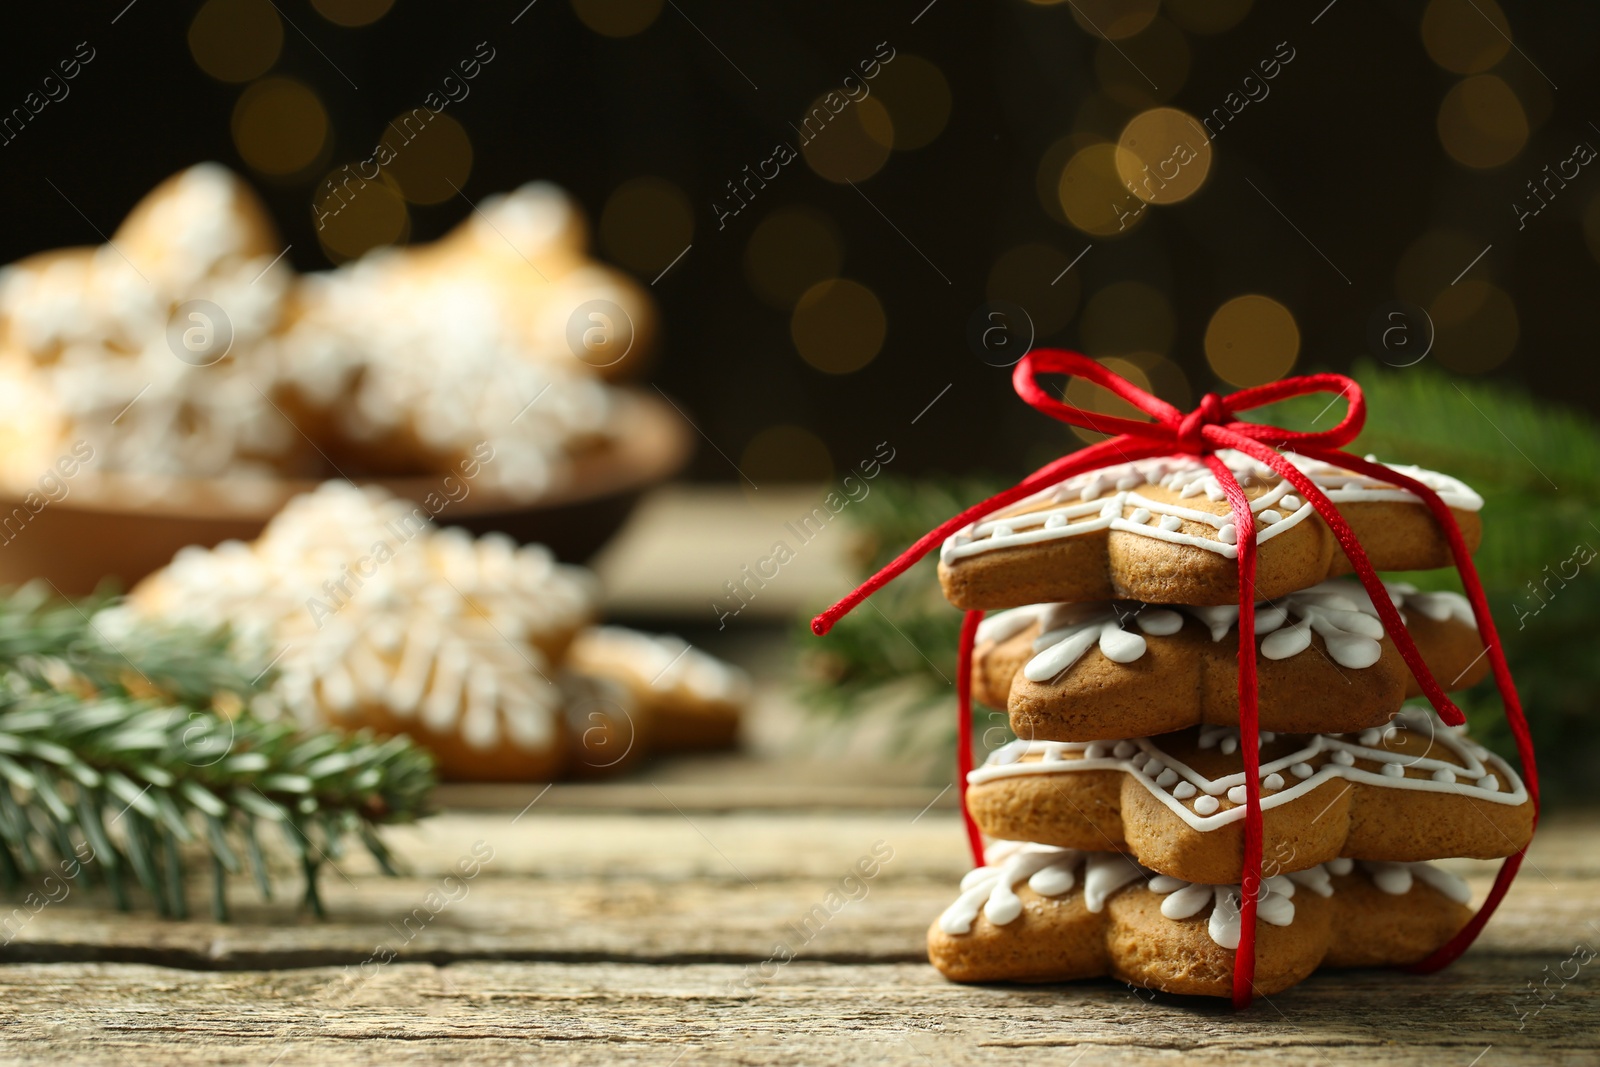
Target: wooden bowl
(117, 527)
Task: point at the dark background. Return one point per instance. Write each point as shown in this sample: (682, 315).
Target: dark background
(1346, 147)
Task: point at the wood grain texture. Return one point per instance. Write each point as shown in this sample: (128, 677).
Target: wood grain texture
(616, 936)
(810, 1013)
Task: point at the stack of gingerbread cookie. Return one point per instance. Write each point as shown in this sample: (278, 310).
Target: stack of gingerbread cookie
(1115, 821)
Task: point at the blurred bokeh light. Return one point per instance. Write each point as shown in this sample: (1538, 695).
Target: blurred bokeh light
(917, 97)
(1127, 316)
(1149, 68)
(1252, 339)
(1113, 19)
(1031, 276)
(791, 250)
(848, 145)
(838, 326)
(1093, 195)
(646, 224)
(1432, 261)
(786, 453)
(432, 156)
(355, 216)
(1475, 325)
(1165, 155)
(236, 40)
(617, 18)
(280, 126)
(1481, 122)
(352, 13)
(1083, 394)
(1465, 36)
(1207, 16)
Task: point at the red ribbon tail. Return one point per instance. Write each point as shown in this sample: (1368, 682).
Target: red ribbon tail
(969, 637)
(1244, 958)
(1088, 459)
(1393, 624)
(1510, 699)
(1447, 709)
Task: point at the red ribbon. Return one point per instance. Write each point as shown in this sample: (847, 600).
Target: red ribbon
(1212, 426)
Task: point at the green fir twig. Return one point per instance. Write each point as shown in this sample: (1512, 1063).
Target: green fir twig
(124, 758)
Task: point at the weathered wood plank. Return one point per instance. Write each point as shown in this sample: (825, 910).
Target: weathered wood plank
(498, 1013)
(847, 786)
(658, 888)
(684, 843)
(622, 920)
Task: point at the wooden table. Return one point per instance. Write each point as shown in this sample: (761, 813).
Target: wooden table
(635, 922)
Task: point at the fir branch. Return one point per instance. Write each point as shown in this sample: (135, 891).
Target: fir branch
(900, 647)
(121, 757)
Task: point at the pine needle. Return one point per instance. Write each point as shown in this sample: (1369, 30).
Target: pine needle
(132, 755)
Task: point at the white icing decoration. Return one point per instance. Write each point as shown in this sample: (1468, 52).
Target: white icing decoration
(1053, 872)
(382, 348)
(1275, 906)
(1339, 611)
(436, 628)
(1467, 770)
(1315, 879)
(1004, 625)
(1397, 879)
(1049, 871)
(1189, 477)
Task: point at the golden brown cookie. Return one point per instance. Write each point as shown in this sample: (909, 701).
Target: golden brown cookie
(529, 248)
(694, 700)
(181, 311)
(373, 617)
(244, 370)
(1161, 531)
(1415, 790)
(1081, 672)
(1041, 914)
(611, 733)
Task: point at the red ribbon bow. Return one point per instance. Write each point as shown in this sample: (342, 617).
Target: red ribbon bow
(1212, 426)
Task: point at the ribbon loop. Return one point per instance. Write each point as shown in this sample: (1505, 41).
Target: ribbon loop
(1186, 433)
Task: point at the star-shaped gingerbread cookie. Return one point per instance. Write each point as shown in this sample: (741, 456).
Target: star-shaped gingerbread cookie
(1083, 672)
(1042, 914)
(1414, 790)
(1161, 531)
